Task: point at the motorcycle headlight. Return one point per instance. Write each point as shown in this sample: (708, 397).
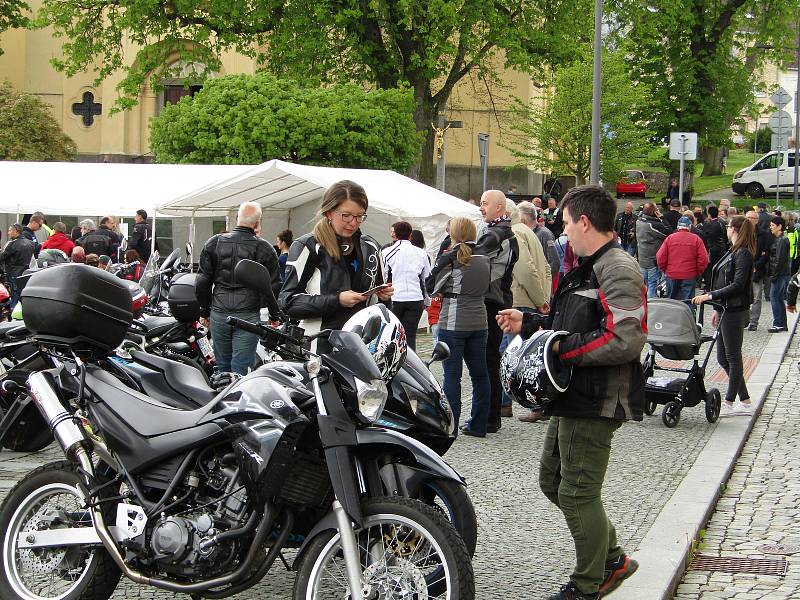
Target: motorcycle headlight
(371, 398)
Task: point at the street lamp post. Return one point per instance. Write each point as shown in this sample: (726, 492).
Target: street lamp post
(797, 116)
(594, 157)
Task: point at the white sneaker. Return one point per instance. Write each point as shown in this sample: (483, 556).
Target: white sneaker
(726, 410)
(742, 409)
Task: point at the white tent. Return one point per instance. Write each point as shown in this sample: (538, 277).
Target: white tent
(290, 195)
(94, 189)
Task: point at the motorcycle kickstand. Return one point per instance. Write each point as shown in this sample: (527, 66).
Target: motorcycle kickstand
(352, 561)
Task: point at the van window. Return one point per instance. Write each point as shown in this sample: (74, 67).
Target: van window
(791, 159)
(771, 161)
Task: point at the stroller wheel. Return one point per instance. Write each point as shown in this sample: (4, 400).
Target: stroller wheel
(671, 413)
(649, 407)
(713, 404)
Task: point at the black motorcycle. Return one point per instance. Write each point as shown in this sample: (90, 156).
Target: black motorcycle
(203, 502)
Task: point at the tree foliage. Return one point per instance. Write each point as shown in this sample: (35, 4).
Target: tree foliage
(428, 45)
(28, 130)
(13, 13)
(555, 135)
(246, 119)
(701, 61)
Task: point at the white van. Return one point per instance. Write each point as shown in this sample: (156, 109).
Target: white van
(765, 175)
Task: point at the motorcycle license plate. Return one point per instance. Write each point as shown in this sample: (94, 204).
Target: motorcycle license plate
(205, 347)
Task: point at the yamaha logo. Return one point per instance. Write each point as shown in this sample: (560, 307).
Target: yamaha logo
(276, 404)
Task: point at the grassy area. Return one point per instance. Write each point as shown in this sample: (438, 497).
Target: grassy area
(738, 159)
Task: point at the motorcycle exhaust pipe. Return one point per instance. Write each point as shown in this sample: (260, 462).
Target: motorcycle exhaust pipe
(66, 432)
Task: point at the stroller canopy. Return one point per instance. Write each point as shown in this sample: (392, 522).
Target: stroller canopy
(671, 323)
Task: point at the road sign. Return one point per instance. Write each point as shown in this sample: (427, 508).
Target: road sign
(779, 142)
(682, 145)
(781, 98)
(780, 120)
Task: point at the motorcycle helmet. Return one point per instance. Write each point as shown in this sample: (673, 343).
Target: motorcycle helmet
(531, 372)
(384, 336)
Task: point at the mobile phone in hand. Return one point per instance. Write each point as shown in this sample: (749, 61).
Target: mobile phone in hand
(376, 289)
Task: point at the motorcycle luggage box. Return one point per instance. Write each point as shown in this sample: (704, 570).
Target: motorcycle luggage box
(77, 305)
(182, 299)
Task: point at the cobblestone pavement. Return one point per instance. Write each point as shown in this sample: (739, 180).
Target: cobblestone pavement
(524, 548)
(760, 505)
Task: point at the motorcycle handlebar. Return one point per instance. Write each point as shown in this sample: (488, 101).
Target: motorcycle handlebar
(255, 328)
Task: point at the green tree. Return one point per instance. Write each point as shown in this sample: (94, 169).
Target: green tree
(701, 60)
(13, 13)
(28, 130)
(246, 119)
(555, 135)
(427, 45)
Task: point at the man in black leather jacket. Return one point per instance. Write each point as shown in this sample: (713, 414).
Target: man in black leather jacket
(15, 259)
(220, 296)
(760, 263)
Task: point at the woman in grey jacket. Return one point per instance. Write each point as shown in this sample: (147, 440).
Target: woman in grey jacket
(461, 278)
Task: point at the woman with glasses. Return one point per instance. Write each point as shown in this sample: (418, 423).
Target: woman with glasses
(330, 270)
(732, 287)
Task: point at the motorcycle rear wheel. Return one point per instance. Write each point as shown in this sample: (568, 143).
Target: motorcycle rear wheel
(42, 500)
(407, 549)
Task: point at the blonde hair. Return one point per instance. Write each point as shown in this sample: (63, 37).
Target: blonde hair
(336, 194)
(463, 229)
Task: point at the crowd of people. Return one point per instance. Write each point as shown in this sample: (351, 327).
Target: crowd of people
(99, 246)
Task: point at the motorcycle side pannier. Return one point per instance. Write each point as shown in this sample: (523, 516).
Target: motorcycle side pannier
(182, 298)
(77, 305)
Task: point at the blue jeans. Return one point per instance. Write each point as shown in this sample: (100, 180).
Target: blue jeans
(234, 349)
(777, 293)
(651, 278)
(469, 347)
(506, 401)
(680, 289)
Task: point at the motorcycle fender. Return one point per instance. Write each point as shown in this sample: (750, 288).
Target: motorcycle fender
(428, 461)
(9, 419)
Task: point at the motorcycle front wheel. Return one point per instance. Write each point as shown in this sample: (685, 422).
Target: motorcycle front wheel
(46, 499)
(451, 498)
(407, 550)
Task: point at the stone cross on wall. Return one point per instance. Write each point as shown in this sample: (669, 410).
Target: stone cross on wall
(87, 109)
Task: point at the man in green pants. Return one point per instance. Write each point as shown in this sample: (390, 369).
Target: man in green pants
(602, 304)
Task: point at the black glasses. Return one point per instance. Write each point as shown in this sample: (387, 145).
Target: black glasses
(348, 218)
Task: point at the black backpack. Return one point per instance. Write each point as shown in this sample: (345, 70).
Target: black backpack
(96, 243)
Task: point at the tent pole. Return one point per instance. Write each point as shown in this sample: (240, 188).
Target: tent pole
(153, 237)
(191, 241)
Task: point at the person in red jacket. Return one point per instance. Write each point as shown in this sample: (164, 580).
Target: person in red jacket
(682, 258)
(59, 239)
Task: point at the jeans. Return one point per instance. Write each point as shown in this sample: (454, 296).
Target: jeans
(631, 249)
(13, 292)
(571, 473)
(234, 349)
(409, 314)
(755, 307)
(507, 338)
(493, 340)
(776, 298)
(435, 333)
(651, 278)
(680, 289)
(471, 347)
(729, 352)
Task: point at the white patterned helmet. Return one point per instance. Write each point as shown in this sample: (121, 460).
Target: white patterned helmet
(384, 336)
(531, 372)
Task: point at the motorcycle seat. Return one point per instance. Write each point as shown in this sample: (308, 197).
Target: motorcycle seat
(183, 379)
(145, 415)
(157, 325)
(12, 330)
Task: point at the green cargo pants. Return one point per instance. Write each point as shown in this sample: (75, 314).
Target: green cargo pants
(573, 467)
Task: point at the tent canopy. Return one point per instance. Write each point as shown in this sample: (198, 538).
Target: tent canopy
(93, 189)
(290, 196)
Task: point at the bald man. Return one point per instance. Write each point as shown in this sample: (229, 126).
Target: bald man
(500, 245)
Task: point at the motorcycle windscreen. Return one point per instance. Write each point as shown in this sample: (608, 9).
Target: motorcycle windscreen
(350, 355)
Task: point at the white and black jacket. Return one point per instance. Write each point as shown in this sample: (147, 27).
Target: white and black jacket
(314, 280)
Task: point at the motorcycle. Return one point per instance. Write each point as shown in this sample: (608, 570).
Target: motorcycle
(203, 502)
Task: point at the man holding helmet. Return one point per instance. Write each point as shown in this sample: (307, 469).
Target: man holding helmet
(600, 306)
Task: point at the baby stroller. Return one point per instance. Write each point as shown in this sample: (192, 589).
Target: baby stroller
(673, 333)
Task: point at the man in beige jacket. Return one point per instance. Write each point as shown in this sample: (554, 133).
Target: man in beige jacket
(530, 285)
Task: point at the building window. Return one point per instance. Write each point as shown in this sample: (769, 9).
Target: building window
(88, 109)
(173, 93)
(164, 237)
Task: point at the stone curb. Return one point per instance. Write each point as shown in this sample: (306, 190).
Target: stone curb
(663, 552)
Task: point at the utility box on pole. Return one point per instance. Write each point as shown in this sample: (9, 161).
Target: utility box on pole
(483, 150)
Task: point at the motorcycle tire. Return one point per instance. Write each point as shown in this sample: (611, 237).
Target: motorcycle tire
(453, 579)
(21, 511)
(29, 433)
(452, 499)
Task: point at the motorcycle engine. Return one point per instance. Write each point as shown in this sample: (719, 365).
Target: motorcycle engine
(175, 542)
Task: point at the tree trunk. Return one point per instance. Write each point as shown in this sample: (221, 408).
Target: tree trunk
(425, 113)
(712, 161)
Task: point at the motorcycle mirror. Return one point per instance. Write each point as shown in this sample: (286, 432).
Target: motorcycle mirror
(441, 351)
(253, 275)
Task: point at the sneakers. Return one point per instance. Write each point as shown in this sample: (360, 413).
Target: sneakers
(742, 409)
(774, 329)
(725, 409)
(616, 572)
(752, 327)
(570, 592)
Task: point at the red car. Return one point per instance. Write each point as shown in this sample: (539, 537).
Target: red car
(631, 183)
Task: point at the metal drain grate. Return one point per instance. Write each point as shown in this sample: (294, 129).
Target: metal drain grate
(779, 549)
(732, 564)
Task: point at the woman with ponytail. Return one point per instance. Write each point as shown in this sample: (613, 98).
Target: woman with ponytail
(328, 270)
(461, 278)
